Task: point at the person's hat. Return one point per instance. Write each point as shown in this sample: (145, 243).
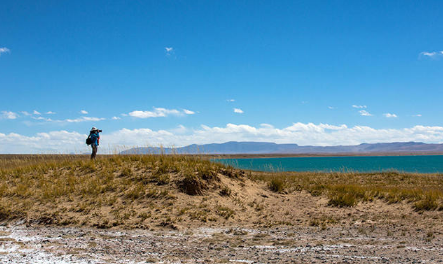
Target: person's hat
(94, 129)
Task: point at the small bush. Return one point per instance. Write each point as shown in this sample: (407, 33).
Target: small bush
(225, 212)
(126, 172)
(192, 185)
(276, 185)
(5, 213)
(207, 173)
(89, 167)
(135, 193)
(428, 204)
(161, 179)
(317, 190)
(342, 200)
(225, 191)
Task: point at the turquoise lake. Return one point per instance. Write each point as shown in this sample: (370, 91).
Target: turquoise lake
(419, 164)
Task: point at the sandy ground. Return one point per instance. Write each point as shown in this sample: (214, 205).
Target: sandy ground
(250, 224)
(38, 244)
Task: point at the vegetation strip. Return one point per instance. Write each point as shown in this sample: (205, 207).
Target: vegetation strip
(138, 191)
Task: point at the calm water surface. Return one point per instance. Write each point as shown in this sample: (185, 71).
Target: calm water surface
(419, 164)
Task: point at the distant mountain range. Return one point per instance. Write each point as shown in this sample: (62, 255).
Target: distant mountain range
(234, 147)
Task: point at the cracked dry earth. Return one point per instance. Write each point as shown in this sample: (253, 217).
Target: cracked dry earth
(38, 244)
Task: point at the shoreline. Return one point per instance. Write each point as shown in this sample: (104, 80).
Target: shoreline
(314, 155)
(238, 155)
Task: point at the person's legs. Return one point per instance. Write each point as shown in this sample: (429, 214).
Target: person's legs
(94, 151)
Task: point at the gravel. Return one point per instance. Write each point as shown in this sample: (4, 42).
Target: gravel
(43, 244)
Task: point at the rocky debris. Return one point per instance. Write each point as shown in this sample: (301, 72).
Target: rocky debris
(39, 244)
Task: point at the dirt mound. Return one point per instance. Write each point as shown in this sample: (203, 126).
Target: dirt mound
(132, 191)
(180, 192)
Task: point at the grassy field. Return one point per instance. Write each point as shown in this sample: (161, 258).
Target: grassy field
(424, 191)
(166, 190)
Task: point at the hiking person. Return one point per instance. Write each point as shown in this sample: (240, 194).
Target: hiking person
(95, 140)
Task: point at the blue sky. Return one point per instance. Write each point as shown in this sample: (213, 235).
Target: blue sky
(174, 72)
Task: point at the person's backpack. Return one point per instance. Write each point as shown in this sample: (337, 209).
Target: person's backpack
(89, 140)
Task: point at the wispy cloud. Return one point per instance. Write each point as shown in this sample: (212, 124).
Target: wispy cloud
(116, 118)
(35, 112)
(42, 118)
(364, 113)
(188, 112)
(359, 106)
(169, 51)
(83, 112)
(417, 115)
(69, 120)
(331, 107)
(433, 54)
(389, 115)
(238, 111)
(84, 119)
(230, 100)
(8, 115)
(4, 50)
(160, 112)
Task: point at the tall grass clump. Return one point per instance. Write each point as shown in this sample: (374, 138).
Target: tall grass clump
(342, 200)
(276, 185)
(429, 203)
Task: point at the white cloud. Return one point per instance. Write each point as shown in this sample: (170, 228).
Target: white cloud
(83, 119)
(36, 112)
(160, 112)
(389, 115)
(364, 113)
(417, 115)
(69, 120)
(42, 118)
(4, 50)
(266, 125)
(25, 113)
(52, 142)
(50, 113)
(434, 54)
(188, 112)
(84, 112)
(8, 115)
(331, 107)
(181, 129)
(359, 106)
(300, 133)
(231, 100)
(169, 51)
(238, 111)
(115, 118)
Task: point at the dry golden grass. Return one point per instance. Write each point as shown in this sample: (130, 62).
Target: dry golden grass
(347, 189)
(146, 190)
(53, 189)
